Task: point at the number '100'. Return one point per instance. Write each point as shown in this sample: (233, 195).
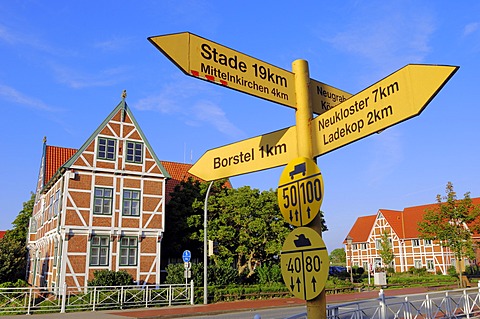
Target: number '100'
(311, 264)
(309, 191)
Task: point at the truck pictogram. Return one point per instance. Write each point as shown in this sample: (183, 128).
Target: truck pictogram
(299, 168)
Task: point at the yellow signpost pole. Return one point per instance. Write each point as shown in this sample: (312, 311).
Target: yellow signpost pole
(317, 307)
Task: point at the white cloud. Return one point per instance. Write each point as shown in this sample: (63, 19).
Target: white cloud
(388, 153)
(471, 28)
(112, 44)
(6, 35)
(399, 37)
(77, 79)
(208, 112)
(10, 94)
(186, 100)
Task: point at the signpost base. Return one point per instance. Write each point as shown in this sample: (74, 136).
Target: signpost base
(316, 308)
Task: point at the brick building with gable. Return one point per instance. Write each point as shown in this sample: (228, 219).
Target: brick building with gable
(100, 207)
(409, 250)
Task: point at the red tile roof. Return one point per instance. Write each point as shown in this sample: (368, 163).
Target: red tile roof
(362, 228)
(2, 233)
(404, 223)
(55, 157)
(178, 172)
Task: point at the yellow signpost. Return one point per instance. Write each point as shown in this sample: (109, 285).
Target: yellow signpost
(250, 155)
(305, 263)
(300, 191)
(207, 60)
(398, 97)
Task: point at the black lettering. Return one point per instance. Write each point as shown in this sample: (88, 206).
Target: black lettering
(205, 51)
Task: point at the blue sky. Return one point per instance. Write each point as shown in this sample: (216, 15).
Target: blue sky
(64, 65)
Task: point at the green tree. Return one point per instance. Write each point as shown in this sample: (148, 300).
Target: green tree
(338, 257)
(248, 226)
(385, 251)
(13, 249)
(452, 222)
(184, 217)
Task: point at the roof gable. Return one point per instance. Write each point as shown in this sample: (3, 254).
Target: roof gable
(361, 229)
(403, 223)
(120, 113)
(394, 219)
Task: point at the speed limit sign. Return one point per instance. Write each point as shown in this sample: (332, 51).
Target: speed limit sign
(300, 191)
(305, 263)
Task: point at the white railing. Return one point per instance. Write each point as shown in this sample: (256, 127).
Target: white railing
(459, 303)
(69, 299)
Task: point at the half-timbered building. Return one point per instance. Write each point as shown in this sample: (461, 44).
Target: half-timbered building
(98, 207)
(408, 248)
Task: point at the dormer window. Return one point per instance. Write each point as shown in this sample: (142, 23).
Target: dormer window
(134, 152)
(106, 148)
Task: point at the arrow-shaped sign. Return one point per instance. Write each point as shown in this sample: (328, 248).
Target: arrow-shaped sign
(207, 60)
(398, 97)
(251, 155)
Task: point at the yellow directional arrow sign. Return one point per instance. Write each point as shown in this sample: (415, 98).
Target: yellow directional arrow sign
(250, 155)
(304, 263)
(396, 98)
(213, 62)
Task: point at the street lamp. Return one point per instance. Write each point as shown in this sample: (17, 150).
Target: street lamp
(205, 247)
(349, 243)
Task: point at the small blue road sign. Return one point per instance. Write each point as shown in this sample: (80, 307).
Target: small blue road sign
(186, 256)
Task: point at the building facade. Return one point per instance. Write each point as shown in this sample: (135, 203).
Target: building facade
(99, 207)
(408, 248)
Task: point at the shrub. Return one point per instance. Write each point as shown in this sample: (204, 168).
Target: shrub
(17, 284)
(452, 271)
(111, 278)
(220, 274)
(472, 269)
(269, 273)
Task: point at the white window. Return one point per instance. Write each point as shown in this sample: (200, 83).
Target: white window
(99, 251)
(427, 242)
(103, 198)
(378, 243)
(418, 263)
(134, 152)
(415, 242)
(56, 203)
(106, 148)
(128, 251)
(131, 203)
(430, 265)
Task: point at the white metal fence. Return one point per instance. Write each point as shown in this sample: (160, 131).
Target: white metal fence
(69, 299)
(459, 303)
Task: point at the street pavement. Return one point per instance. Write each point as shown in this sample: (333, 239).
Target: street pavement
(185, 311)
